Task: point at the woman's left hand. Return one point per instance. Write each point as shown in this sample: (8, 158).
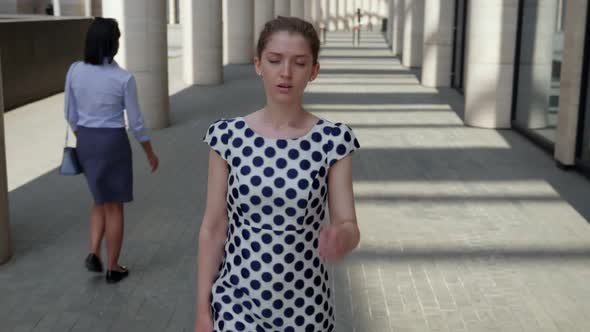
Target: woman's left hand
(332, 243)
(153, 160)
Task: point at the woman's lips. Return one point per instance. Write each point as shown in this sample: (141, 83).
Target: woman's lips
(284, 87)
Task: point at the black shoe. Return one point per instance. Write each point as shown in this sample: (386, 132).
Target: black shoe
(116, 276)
(93, 263)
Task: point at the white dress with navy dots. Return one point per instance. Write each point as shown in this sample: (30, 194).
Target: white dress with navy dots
(271, 277)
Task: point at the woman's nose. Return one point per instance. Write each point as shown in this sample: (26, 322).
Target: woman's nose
(286, 69)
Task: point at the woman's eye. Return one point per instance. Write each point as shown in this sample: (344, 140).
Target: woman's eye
(273, 61)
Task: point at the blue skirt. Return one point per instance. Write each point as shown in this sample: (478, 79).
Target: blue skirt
(105, 156)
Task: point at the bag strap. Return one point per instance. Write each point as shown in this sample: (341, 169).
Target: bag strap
(68, 108)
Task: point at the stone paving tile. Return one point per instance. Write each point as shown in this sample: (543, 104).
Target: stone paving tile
(463, 229)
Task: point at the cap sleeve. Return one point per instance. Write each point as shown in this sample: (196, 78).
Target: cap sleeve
(345, 142)
(217, 138)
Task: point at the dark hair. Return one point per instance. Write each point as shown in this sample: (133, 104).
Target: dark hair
(291, 25)
(102, 41)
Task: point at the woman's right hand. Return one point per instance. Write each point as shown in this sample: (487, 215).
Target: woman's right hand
(204, 323)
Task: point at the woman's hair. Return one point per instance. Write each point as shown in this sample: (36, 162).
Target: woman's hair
(102, 41)
(291, 25)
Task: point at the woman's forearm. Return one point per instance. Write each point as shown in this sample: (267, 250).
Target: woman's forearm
(147, 147)
(209, 259)
(352, 237)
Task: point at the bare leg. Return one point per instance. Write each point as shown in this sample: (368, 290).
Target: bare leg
(114, 234)
(97, 225)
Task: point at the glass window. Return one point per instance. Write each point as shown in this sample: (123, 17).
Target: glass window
(539, 66)
(585, 148)
(460, 25)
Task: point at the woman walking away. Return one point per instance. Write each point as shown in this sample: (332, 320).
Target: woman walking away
(97, 93)
(265, 239)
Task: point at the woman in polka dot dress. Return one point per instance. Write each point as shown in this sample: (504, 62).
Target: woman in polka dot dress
(264, 241)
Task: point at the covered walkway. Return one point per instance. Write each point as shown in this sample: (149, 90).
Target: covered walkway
(463, 229)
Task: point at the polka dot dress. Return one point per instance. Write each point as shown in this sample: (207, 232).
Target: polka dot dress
(271, 277)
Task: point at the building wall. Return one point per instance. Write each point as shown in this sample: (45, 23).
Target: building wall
(8, 7)
(36, 55)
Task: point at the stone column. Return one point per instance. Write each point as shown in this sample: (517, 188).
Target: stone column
(350, 13)
(171, 12)
(238, 18)
(332, 15)
(340, 23)
(202, 42)
(571, 81)
(283, 7)
(263, 12)
(87, 8)
(143, 52)
(308, 10)
(316, 14)
(397, 29)
(297, 8)
(389, 33)
(489, 58)
(325, 11)
(438, 43)
(56, 7)
(413, 33)
(535, 63)
(5, 243)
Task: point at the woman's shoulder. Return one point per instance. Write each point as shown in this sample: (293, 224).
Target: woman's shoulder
(222, 123)
(331, 125)
(220, 126)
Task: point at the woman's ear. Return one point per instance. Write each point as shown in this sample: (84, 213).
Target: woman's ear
(257, 66)
(315, 71)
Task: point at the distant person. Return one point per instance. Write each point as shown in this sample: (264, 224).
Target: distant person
(266, 241)
(97, 94)
(49, 9)
(356, 29)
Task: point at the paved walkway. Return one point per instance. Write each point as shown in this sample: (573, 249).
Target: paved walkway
(463, 229)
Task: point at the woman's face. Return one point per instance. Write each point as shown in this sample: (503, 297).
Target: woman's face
(286, 66)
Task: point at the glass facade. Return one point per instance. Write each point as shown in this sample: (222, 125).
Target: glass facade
(584, 149)
(539, 66)
(458, 64)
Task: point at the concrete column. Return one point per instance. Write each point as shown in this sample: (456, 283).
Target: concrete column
(413, 33)
(87, 8)
(389, 33)
(324, 10)
(308, 10)
(373, 11)
(143, 52)
(489, 58)
(297, 7)
(202, 42)
(397, 29)
(238, 18)
(5, 243)
(316, 14)
(264, 11)
(571, 81)
(332, 15)
(341, 22)
(283, 7)
(172, 12)
(56, 7)
(535, 63)
(438, 43)
(350, 13)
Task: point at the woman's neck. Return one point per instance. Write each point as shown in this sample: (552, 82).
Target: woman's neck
(281, 115)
